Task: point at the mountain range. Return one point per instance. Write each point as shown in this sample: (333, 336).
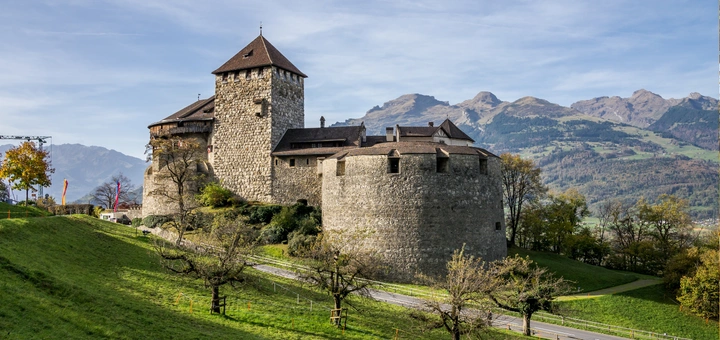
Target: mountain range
(606, 147)
(85, 168)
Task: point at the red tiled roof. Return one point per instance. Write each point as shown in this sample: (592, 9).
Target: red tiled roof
(258, 53)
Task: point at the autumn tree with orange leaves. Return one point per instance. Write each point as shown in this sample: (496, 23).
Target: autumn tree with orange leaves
(25, 167)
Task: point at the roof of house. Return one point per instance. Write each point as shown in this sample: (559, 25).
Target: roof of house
(400, 148)
(451, 130)
(203, 109)
(258, 53)
(348, 135)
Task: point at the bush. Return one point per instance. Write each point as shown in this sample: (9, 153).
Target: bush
(136, 222)
(272, 234)
(299, 242)
(214, 195)
(263, 213)
(152, 221)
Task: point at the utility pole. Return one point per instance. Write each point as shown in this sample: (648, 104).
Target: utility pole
(41, 140)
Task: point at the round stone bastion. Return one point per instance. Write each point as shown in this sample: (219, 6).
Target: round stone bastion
(415, 203)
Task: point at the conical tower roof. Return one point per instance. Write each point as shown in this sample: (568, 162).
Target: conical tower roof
(258, 53)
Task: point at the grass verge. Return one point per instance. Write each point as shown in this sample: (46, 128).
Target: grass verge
(647, 308)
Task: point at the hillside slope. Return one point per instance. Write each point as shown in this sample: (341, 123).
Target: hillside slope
(77, 277)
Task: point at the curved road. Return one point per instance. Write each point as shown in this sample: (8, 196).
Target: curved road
(541, 329)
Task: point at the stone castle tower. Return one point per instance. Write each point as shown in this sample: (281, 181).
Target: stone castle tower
(259, 95)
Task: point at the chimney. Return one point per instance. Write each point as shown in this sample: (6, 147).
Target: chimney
(397, 133)
(322, 121)
(431, 124)
(388, 134)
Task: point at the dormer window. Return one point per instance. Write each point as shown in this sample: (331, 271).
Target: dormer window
(248, 55)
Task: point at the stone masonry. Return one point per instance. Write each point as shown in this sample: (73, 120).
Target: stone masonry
(252, 111)
(417, 217)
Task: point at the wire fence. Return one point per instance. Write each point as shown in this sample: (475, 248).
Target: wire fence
(547, 317)
(19, 214)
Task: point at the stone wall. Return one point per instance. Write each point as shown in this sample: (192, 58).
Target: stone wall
(416, 218)
(155, 204)
(301, 181)
(251, 115)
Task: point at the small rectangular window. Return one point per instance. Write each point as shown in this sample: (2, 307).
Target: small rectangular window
(276, 161)
(498, 226)
(247, 75)
(483, 166)
(340, 171)
(260, 72)
(393, 165)
(292, 161)
(307, 161)
(443, 164)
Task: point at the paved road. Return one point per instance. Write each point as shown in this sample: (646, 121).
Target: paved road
(612, 290)
(544, 330)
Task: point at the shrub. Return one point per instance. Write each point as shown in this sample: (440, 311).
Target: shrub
(136, 222)
(237, 201)
(299, 242)
(263, 213)
(272, 234)
(214, 195)
(152, 221)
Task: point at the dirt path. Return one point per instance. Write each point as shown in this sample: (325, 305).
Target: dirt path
(612, 290)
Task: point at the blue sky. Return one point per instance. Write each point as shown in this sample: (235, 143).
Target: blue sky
(98, 72)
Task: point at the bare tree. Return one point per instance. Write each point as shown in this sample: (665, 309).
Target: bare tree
(521, 183)
(517, 285)
(340, 267)
(104, 194)
(464, 283)
(178, 177)
(219, 257)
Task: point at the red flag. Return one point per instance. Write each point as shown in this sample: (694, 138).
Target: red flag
(117, 196)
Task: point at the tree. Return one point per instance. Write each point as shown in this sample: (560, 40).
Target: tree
(104, 194)
(700, 293)
(219, 258)
(464, 283)
(521, 184)
(26, 166)
(340, 266)
(549, 224)
(517, 285)
(670, 223)
(178, 177)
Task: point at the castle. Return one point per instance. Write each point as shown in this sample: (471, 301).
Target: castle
(422, 191)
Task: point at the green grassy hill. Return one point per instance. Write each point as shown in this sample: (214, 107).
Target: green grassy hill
(649, 308)
(15, 211)
(586, 277)
(70, 277)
